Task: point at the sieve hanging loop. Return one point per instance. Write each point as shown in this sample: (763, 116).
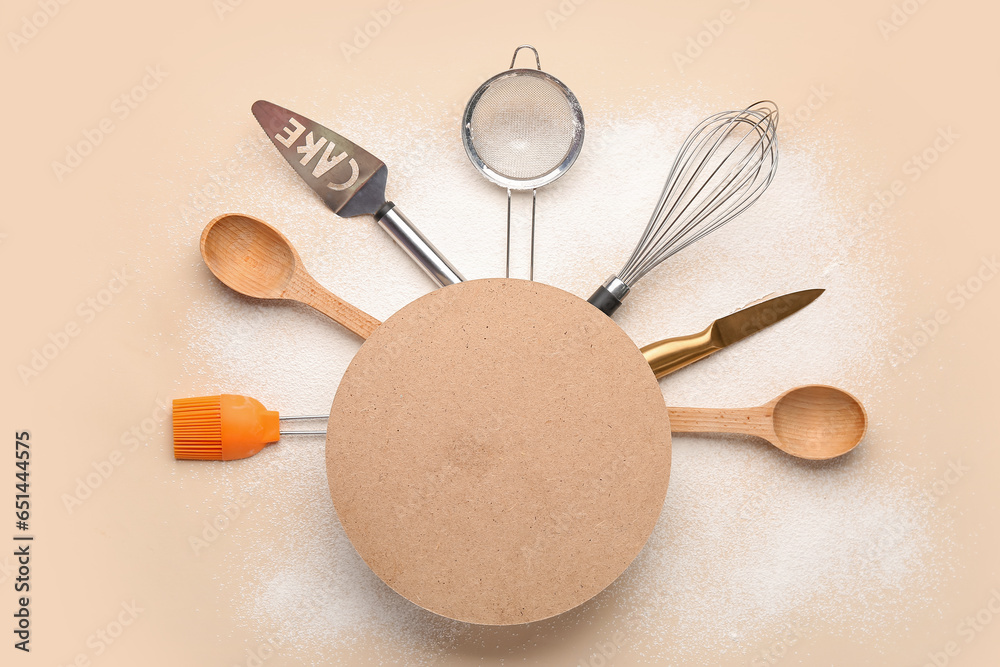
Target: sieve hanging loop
(538, 62)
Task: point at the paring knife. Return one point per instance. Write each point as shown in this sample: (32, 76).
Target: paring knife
(667, 356)
(350, 180)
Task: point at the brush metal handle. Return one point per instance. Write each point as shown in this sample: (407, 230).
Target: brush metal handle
(671, 354)
(417, 246)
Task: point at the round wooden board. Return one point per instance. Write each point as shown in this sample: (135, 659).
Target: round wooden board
(498, 451)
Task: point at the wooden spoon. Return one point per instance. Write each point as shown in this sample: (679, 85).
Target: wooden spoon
(256, 259)
(811, 422)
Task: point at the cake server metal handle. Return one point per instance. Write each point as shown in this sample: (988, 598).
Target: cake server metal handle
(416, 245)
(350, 180)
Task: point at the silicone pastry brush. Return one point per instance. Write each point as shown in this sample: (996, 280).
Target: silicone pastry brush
(350, 180)
(227, 427)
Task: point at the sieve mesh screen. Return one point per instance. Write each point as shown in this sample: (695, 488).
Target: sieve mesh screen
(522, 127)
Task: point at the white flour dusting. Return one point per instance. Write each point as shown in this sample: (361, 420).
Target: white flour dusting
(750, 540)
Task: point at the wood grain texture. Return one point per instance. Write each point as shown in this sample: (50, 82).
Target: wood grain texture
(255, 259)
(748, 421)
(498, 451)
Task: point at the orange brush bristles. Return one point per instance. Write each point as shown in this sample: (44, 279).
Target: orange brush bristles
(198, 428)
(222, 428)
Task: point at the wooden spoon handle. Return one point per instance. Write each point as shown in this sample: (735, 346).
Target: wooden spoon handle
(748, 421)
(352, 318)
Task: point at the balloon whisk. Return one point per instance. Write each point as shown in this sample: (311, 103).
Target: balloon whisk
(722, 168)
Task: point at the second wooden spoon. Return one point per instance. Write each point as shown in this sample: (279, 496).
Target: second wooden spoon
(811, 422)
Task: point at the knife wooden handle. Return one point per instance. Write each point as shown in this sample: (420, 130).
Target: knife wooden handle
(671, 354)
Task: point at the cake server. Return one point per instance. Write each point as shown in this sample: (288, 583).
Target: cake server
(350, 180)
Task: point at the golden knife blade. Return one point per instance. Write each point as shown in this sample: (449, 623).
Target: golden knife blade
(671, 354)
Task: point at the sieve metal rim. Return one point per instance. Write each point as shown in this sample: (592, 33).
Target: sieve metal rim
(576, 142)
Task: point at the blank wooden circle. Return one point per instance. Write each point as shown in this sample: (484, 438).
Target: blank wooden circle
(498, 451)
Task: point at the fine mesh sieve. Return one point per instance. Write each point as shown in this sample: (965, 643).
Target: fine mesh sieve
(523, 129)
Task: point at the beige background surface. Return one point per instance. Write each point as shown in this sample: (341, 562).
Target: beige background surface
(129, 206)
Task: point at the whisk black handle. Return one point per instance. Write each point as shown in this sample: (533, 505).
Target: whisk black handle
(609, 296)
(605, 301)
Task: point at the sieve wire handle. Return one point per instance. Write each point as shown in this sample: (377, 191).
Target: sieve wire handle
(538, 62)
(417, 246)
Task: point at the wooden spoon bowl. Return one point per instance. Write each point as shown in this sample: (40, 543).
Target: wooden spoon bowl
(818, 422)
(249, 256)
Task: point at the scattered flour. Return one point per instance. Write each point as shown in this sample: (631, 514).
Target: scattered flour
(750, 540)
